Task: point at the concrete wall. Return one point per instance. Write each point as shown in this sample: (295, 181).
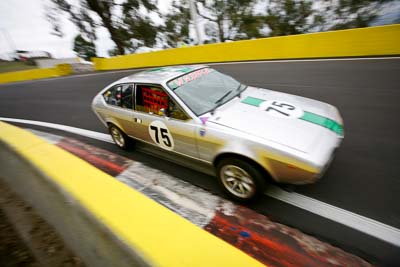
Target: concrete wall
(26, 75)
(53, 62)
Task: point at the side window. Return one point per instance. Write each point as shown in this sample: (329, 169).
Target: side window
(113, 96)
(174, 111)
(120, 95)
(151, 99)
(127, 96)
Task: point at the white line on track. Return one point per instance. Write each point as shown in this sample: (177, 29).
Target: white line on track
(70, 129)
(353, 220)
(363, 224)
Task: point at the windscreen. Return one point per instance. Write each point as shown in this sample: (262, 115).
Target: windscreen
(202, 89)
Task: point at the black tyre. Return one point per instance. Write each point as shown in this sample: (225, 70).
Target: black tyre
(241, 180)
(120, 138)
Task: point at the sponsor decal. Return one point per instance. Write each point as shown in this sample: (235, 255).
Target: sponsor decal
(188, 78)
(202, 132)
(161, 135)
(204, 120)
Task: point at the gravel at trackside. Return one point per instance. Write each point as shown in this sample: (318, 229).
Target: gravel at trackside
(26, 239)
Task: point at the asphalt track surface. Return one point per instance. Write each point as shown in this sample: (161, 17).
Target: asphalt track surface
(363, 178)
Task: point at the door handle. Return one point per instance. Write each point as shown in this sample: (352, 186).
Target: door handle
(137, 120)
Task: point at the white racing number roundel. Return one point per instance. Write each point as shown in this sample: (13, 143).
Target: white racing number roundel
(281, 109)
(161, 135)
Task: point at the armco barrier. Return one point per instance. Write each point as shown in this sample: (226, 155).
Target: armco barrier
(102, 220)
(25, 75)
(373, 41)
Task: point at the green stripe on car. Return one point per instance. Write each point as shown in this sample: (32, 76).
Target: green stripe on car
(307, 116)
(252, 101)
(323, 121)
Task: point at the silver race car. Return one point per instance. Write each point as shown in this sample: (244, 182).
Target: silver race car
(247, 135)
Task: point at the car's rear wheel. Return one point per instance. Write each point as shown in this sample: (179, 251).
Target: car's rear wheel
(120, 138)
(241, 180)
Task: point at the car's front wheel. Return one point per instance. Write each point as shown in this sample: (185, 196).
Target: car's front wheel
(241, 180)
(120, 138)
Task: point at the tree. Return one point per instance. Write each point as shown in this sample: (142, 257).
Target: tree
(346, 14)
(139, 26)
(234, 19)
(287, 17)
(84, 49)
(177, 21)
(133, 23)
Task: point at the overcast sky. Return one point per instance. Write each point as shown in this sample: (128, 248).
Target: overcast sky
(25, 22)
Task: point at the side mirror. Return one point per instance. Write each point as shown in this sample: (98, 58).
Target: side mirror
(162, 112)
